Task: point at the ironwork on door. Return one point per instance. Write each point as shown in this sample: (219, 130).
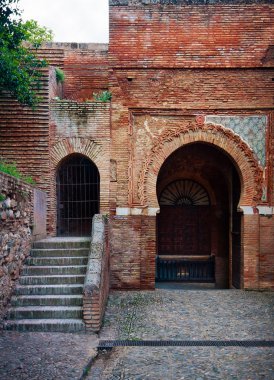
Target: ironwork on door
(78, 191)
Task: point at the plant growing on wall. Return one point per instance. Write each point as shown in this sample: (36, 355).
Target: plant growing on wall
(19, 64)
(2, 197)
(11, 169)
(104, 96)
(60, 75)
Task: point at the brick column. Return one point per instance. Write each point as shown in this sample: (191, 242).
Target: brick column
(251, 251)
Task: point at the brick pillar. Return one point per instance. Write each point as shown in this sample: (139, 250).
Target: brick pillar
(251, 251)
(148, 252)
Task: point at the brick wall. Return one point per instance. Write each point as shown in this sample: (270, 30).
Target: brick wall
(132, 259)
(86, 70)
(79, 127)
(266, 261)
(159, 34)
(169, 63)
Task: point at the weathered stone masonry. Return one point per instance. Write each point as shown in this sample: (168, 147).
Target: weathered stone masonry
(22, 220)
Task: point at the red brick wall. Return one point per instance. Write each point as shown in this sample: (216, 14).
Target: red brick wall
(132, 259)
(86, 70)
(266, 263)
(216, 35)
(170, 63)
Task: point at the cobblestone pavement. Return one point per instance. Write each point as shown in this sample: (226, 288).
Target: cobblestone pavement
(45, 356)
(187, 313)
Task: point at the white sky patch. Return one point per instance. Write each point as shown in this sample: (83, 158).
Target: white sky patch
(70, 20)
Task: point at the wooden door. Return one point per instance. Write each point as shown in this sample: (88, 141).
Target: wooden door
(184, 230)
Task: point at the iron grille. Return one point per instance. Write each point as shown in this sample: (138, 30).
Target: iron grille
(108, 344)
(185, 270)
(78, 189)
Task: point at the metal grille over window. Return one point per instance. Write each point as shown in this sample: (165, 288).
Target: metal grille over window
(184, 192)
(78, 191)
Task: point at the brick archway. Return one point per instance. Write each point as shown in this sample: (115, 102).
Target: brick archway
(65, 147)
(92, 150)
(88, 148)
(249, 171)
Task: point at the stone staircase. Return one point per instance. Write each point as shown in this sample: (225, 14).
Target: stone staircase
(49, 294)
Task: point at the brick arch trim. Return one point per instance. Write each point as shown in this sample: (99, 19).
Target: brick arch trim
(251, 174)
(67, 146)
(90, 149)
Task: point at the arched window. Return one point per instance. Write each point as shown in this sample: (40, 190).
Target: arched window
(184, 192)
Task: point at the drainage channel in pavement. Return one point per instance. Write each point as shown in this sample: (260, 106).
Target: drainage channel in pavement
(109, 344)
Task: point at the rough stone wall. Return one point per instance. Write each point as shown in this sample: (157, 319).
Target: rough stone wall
(173, 63)
(16, 222)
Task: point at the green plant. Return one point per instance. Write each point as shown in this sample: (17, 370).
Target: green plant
(20, 67)
(60, 75)
(2, 197)
(104, 96)
(11, 169)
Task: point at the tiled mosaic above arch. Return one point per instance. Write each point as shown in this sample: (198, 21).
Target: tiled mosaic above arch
(252, 130)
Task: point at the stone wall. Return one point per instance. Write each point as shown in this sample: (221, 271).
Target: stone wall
(16, 232)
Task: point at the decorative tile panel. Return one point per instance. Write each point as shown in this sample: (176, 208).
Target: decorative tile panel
(252, 130)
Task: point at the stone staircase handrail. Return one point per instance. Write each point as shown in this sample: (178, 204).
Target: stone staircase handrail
(96, 283)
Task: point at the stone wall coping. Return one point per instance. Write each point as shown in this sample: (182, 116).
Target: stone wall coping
(15, 181)
(75, 46)
(74, 103)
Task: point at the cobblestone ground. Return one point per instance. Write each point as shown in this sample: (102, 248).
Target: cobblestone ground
(45, 356)
(187, 313)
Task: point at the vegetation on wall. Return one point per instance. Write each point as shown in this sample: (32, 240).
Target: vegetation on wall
(104, 96)
(19, 65)
(11, 169)
(60, 75)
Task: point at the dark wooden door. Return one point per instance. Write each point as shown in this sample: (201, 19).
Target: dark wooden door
(184, 230)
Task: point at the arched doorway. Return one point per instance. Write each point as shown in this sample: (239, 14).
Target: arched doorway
(78, 191)
(198, 226)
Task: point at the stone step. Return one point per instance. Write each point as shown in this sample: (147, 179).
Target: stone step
(47, 300)
(60, 253)
(53, 270)
(51, 280)
(46, 325)
(52, 261)
(51, 243)
(41, 290)
(45, 312)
